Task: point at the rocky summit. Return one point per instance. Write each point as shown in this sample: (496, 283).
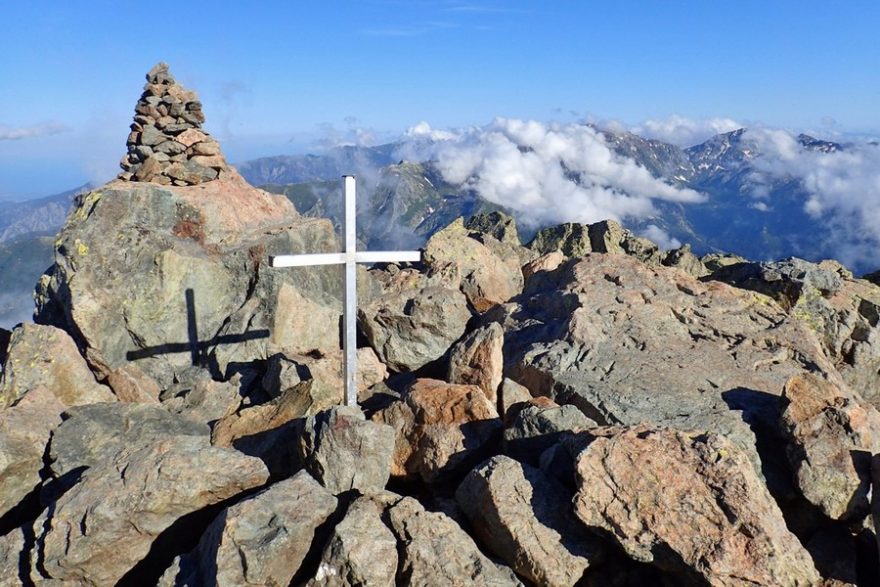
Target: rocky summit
(587, 409)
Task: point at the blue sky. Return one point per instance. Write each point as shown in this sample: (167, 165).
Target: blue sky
(279, 77)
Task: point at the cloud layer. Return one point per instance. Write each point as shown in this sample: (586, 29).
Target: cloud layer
(684, 132)
(549, 172)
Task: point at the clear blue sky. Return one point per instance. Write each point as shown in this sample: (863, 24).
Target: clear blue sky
(276, 76)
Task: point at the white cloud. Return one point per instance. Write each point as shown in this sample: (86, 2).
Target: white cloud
(8, 133)
(548, 172)
(684, 132)
(661, 237)
(843, 190)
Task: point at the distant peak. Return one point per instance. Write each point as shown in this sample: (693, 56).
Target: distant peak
(167, 144)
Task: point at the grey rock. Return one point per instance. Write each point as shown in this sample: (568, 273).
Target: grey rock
(13, 550)
(169, 148)
(495, 224)
(535, 428)
(361, 551)
(152, 136)
(525, 518)
(572, 239)
(91, 436)
(44, 355)
(684, 259)
(412, 328)
(436, 551)
(785, 281)
(102, 527)
(344, 451)
(261, 540)
(509, 393)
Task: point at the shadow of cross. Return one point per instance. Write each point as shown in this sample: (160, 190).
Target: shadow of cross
(198, 349)
(348, 259)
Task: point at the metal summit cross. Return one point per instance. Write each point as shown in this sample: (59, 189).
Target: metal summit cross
(348, 258)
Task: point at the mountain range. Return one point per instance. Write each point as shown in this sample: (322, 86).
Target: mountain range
(402, 203)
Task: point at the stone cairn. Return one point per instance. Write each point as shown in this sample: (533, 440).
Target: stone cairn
(167, 144)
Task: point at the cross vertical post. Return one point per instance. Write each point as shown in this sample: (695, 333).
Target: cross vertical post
(349, 342)
(350, 257)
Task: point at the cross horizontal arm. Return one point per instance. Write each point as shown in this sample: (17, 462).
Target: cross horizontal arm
(388, 256)
(307, 259)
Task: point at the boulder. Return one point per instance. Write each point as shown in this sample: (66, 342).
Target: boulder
(546, 262)
(628, 343)
(537, 425)
(361, 550)
(261, 540)
(509, 393)
(571, 239)
(183, 284)
(409, 329)
(344, 451)
(477, 359)
(13, 550)
(489, 269)
(206, 400)
(99, 530)
(684, 259)
(525, 519)
(689, 503)
(284, 372)
(91, 436)
(24, 434)
(440, 429)
(576, 240)
(831, 435)
(44, 355)
(498, 225)
(434, 550)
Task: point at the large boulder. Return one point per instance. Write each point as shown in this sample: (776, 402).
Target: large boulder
(91, 436)
(24, 435)
(441, 429)
(525, 518)
(344, 451)
(831, 435)
(47, 356)
(537, 425)
(607, 236)
(285, 372)
(411, 328)
(434, 550)
(361, 551)
(842, 312)
(261, 540)
(629, 343)
(99, 530)
(689, 503)
(489, 269)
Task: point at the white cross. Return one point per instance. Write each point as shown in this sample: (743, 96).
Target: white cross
(348, 258)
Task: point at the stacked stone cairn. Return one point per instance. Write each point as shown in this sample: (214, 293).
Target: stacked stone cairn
(167, 144)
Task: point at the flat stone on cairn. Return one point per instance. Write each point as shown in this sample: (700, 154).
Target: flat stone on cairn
(167, 144)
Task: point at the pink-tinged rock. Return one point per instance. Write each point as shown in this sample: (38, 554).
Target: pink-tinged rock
(688, 503)
(546, 262)
(440, 428)
(831, 434)
(478, 360)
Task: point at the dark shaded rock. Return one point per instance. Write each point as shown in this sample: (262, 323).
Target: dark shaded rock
(261, 540)
(498, 225)
(535, 427)
(434, 550)
(524, 517)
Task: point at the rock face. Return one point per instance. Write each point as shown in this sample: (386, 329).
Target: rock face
(167, 144)
(47, 356)
(831, 436)
(576, 240)
(101, 528)
(689, 503)
(520, 514)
